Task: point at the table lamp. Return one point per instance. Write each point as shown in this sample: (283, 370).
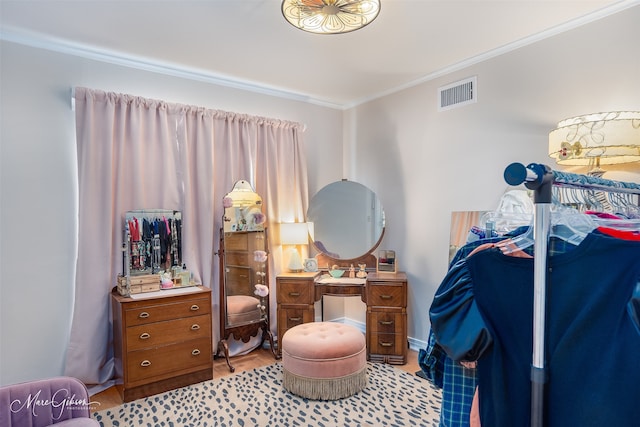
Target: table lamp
(294, 234)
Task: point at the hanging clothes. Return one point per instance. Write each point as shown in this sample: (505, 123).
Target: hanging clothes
(483, 312)
(458, 383)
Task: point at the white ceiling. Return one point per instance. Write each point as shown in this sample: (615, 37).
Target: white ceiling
(247, 43)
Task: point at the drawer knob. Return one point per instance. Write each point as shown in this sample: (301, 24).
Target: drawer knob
(295, 319)
(143, 315)
(145, 336)
(385, 297)
(195, 327)
(386, 322)
(195, 352)
(294, 294)
(145, 363)
(385, 344)
(195, 307)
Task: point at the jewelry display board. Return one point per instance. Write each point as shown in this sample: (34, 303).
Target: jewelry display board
(152, 246)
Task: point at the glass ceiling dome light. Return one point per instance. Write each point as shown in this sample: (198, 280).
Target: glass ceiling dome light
(330, 16)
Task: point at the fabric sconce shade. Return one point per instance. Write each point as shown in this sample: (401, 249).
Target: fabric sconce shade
(294, 234)
(597, 139)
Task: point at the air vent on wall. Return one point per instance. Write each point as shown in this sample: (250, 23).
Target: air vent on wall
(457, 94)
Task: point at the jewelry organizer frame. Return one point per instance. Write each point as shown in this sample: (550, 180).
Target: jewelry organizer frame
(154, 261)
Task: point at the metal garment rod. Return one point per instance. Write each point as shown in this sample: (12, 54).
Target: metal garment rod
(541, 179)
(564, 179)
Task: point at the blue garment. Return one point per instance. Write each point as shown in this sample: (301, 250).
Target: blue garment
(592, 333)
(457, 382)
(431, 361)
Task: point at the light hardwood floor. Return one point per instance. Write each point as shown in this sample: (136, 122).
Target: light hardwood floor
(255, 359)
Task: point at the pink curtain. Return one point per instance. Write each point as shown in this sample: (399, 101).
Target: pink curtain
(136, 153)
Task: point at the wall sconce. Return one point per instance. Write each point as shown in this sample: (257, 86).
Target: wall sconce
(294, 234)
(597, 139)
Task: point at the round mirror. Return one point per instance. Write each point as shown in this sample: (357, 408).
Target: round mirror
(346, 220)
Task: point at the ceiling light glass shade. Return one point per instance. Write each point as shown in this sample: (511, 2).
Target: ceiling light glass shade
(597, 139)
(330, 16)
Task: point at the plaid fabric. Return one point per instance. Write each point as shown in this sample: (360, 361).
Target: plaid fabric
(457, 394)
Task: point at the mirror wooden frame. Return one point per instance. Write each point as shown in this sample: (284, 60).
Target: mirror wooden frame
(243, 238)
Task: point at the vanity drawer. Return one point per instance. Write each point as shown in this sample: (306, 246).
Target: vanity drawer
(166, 311)
(384, 322)
(293, 292)
(386, 295)
(288, 317)
(386, 344)
(167, 332)
(144, 364)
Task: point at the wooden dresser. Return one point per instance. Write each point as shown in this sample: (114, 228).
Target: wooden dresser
(161, 342)
(386, 299)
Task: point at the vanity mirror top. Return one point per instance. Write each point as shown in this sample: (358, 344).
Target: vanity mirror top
(346, 222)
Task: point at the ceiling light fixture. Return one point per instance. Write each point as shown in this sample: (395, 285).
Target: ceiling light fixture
(330, 16)
(597, 139)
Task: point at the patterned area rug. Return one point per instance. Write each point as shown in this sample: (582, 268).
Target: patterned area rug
(256, 398)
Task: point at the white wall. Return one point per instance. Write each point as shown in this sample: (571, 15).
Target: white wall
(423, 164)
(38, 216)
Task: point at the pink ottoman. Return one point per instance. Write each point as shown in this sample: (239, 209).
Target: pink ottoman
(324, 360)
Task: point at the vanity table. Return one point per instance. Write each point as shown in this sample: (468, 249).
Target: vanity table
(385, 297)
(346, 224)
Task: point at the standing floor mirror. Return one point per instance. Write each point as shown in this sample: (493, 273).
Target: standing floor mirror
(244, 274)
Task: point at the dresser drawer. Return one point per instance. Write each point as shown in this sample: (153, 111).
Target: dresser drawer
(144, 364)
(167, 311)
(383, 322)
(386, 295)
(387, 344)
(167, 332)
(292, 292)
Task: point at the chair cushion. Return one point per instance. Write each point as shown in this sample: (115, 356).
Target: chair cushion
(242, 309)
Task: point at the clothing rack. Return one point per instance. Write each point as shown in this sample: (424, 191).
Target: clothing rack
(541, 179)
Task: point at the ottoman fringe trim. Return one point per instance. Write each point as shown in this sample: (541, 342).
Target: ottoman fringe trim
(325, 388)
